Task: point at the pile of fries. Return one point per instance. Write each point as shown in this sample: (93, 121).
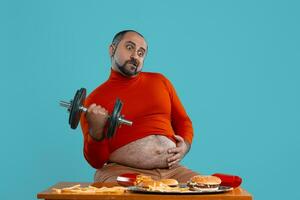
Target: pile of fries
(77, 189)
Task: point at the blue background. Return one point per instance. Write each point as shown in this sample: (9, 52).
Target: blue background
(235, 65)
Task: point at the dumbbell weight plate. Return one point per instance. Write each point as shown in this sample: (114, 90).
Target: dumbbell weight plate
(113, 120)
(76, 104)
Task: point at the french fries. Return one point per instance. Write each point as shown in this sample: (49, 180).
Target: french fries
(77, 189)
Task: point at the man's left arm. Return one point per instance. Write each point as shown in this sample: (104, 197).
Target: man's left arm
(182, 126)
(177, 153)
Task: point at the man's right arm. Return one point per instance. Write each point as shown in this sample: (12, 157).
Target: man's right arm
(96, 117)
(96, 150)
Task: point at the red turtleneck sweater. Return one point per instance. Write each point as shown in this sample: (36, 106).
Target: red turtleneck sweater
(149, 101)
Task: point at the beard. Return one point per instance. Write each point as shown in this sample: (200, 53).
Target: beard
(129, 68)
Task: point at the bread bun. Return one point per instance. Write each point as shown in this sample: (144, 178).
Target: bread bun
(170, 182)
(151, 184)
(211, 180)
(204, 183)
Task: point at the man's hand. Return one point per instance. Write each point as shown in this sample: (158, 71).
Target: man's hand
(96, 117)
(178, 152)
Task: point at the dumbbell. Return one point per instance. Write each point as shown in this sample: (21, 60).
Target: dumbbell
(75, 108)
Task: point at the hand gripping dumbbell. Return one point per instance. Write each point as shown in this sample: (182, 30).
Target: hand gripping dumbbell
(75, 107)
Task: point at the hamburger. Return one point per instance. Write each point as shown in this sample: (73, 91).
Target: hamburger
(151, 184)
(170, 182)
(204, 183)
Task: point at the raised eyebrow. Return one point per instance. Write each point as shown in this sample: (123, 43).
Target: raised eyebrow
(143, 49)
(130, 42)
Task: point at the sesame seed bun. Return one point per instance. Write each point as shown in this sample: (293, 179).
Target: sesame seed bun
(212, 180)
(207, 183)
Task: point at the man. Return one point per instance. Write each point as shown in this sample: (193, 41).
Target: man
(161, 133)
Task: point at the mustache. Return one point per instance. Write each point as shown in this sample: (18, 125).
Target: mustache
(133, 62)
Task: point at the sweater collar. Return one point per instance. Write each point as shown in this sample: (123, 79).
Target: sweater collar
(117, 76)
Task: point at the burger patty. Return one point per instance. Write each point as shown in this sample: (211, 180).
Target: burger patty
(195, 185)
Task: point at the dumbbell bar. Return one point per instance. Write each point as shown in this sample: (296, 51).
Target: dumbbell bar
(75, 107)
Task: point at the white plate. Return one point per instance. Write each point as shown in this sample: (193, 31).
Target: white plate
(143, 190)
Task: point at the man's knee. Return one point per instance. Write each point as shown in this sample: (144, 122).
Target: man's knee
(104, 177)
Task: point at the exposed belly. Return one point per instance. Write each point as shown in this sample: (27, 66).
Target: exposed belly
(147, 153)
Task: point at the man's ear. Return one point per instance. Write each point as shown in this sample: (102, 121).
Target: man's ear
(112, 50)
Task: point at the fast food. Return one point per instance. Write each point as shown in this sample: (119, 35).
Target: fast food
(77, 189)
(170, 182)
(147, 183)
(141, 178)
(163, 185)
(204, 183)
(151, 184)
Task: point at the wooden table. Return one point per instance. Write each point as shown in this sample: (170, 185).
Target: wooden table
(236, 194)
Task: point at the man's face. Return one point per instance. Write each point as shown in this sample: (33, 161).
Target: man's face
(128, 56)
